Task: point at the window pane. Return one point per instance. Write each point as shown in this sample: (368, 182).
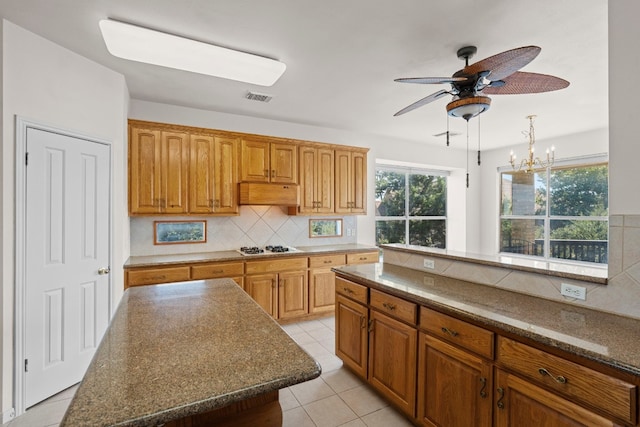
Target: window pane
(579, 191)
(429, 233)
(579, 240)
(524, 193)
(522, 236)
(427, 195)
(390, 193)
(390, 232)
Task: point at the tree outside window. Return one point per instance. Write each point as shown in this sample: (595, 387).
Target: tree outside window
(410, 207)
(556, 213)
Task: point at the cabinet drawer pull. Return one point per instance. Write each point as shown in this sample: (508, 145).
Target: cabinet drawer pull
(347, 290)
(483, 381)
(449, 331)
(389, 306)
(158, 277)
(327, 262)
(217, 271)
(559, 379)
(500, 403)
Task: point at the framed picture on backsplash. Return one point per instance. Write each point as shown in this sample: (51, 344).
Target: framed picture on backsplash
(174, 232)
(325, 227)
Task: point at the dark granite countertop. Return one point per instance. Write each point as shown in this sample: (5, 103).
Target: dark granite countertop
(217, 256)
(603, 337)
(180, 349)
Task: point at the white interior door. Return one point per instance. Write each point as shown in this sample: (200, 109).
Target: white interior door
(66, 297)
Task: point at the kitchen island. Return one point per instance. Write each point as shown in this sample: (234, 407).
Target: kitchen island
(186, 354)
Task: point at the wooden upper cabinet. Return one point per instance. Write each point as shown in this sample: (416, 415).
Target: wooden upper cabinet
(158, 171)
(201, 166)
(316, 180)
(350, 181)
(226, 175)
(266, 161)
(213, 175)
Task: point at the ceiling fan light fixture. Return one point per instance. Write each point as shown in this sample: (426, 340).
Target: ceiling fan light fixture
(468, 107)
(140, 44)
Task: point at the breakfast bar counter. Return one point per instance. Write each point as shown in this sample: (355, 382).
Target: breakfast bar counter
(175, 354)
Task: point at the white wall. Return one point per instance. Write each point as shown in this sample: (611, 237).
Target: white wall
(624, 32)
(48, 84)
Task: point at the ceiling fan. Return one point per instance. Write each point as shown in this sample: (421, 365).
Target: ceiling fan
(495, 75)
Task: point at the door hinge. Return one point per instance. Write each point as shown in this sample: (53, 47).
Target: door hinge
(26, 365)
(26, 159)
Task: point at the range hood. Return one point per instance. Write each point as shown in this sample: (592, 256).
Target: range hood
(252, 193)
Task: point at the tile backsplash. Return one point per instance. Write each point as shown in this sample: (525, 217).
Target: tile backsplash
(620, 296)
(255, 226)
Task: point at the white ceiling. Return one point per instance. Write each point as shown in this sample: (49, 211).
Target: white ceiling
(343, 55)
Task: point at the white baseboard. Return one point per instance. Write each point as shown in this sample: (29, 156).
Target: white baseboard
(8, 415)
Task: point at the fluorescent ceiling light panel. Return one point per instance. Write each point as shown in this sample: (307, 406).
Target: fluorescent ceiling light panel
(154, 47)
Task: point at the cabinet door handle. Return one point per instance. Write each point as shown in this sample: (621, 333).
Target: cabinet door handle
(370, 329)
(266, 173)
(449, 331)
(389, 306)
(363, 322)
(559, 379)
(483, 381)
(216, 203)
(273, 173)
(500, 403)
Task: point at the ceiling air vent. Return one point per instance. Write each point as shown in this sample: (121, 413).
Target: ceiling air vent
(261, 97)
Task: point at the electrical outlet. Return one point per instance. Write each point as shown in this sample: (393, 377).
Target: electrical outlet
(573, 291)
(429, 263)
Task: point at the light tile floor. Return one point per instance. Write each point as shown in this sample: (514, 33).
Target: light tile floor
(336, 398)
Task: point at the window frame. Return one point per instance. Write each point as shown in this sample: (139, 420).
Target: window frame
(547, 218)
(407, 171)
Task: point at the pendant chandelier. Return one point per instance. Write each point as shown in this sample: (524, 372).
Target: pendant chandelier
(531, 163)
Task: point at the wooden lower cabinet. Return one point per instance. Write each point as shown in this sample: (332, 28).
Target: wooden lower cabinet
(282, 295)
(352, 319)
(264, 291)
(454, 386)
(322, 290)
(449, 372)
(520, 403)
(393, 348)
(293, 297)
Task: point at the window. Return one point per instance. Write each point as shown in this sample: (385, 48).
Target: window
(556, 213)
(411, 206)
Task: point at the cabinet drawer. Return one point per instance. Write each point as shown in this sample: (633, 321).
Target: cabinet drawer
(584, 385)
(394, 306)
(216, 270)
(158, 275)
(352, 290)
(363, 258)
(473, 338)
(276, 265)
(326, 261)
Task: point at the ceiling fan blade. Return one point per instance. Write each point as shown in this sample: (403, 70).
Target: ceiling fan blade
(504, 64)
(431, 80)
(422, 102)
(521, 82)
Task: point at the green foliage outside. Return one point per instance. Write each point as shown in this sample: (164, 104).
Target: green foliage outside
(426, 198)
(573, 192)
